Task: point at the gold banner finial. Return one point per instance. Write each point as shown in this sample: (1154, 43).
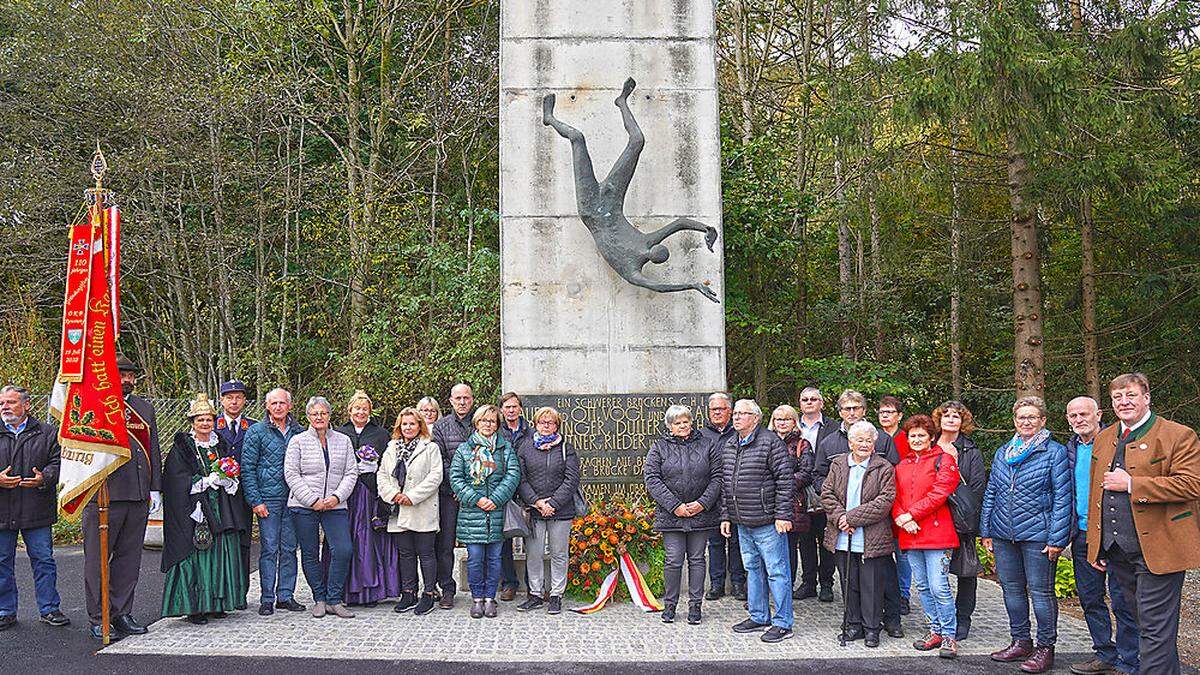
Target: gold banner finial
(98, 195)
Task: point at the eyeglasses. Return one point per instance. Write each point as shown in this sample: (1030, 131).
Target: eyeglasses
(852, 407)
(777, 420)
(888, 412)
(743, 413)
(810, 400)
(1028, 419)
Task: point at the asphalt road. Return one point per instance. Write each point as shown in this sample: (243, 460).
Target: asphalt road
(33, 647)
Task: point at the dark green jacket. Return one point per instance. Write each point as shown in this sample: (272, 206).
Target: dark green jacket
(476, 526)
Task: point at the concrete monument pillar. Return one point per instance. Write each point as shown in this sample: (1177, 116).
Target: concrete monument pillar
(598, 298)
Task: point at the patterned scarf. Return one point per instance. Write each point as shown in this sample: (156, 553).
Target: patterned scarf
(1018, 450)
(403, 454)
(483, 461)
(545, 442)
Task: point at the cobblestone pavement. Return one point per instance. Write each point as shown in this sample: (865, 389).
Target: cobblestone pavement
(619, 633)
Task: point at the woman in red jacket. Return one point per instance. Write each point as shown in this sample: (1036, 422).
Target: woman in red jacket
(925, 529)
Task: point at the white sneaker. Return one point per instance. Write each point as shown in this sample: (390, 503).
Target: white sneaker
(318, 610)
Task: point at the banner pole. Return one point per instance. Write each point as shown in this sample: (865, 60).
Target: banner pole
(105, 608)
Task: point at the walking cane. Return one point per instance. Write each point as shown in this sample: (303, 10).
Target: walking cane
(844, 575)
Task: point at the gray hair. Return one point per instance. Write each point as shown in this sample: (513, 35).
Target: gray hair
(278, 390)
(750, 404)
(316, 401)
(851, 395)
(811, 390)
(1032, 402)
(21, 392)
(675, 412)
(863, 428)
(720, 396)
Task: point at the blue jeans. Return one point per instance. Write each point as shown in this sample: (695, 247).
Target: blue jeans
(725, 557)
(764, 554)
(328, 587)
(39, 543)
(931, 570)
(1090, 582)
(904, 573)
(483, 569)
(1025, 572)
(277, 557)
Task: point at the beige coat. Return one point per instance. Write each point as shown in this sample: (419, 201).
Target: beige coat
(1165, 467)
(421, 484)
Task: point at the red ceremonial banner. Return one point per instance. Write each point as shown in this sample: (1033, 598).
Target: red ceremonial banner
(92, 431)
(75, 302)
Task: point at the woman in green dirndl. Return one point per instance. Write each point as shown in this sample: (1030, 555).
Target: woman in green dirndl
(202, 558)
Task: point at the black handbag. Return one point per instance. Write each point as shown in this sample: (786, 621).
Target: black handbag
(579, 500)
(202, 536)
(964, 508)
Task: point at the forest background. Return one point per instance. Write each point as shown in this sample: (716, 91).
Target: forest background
(931, 198)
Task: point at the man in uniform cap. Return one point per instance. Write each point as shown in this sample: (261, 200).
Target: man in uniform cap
(232, 426)
(133, 492)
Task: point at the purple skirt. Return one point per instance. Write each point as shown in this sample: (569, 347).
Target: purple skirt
(375, 567)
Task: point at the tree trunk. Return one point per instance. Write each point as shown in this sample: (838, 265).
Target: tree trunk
(1087, 273)
(1028, 349)
(956, 384)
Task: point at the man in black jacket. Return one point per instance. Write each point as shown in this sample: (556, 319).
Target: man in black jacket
(29, 453)
(450, 432)
(724, 553)
(517, 431)
(757, 488)
(133, 491)
(816, 561)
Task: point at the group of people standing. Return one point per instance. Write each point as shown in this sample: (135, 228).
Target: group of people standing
(775, 510)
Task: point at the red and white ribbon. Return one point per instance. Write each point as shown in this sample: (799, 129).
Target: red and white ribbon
(635, 583)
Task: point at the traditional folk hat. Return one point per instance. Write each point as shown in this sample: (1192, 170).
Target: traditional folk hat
(124, 364)
(201, 406)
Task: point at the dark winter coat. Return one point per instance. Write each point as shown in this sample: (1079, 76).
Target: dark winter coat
(757, 480)
(449, 432)
(1031, 500)
(476, 526)
(802, 455)
(182, 468)
(552, 473)
(263, 452)
(971, 469)
(36, 447)
(837, 443)
(682, 470)
(873, 512)
(718, 437)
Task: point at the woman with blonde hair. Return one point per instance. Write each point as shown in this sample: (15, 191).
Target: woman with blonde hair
(374, 572)
(484, 474)
(429, 409)
(785, 422)
(549, 479)
(410, 474)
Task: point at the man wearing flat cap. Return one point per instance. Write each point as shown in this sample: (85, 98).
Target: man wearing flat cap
(231, 427)
(133, 492)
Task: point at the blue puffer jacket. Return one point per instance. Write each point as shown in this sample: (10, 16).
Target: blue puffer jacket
(1031, 500)
(263, 451)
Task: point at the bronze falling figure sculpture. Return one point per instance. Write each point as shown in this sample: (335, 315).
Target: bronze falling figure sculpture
(602, 205)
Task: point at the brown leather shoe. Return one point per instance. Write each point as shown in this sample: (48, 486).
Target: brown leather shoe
(507, 594)
(447, 601)
(1042, 660)
(1019, 650)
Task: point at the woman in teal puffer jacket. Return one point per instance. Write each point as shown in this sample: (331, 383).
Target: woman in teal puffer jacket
(484, 474)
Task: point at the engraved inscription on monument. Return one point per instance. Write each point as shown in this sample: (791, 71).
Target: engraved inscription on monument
(612, 433)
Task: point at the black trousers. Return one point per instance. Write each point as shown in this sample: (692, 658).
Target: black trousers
(816, 563)
(126, 536)
(964, 602)
(446, 538)
(414, 546)
(863, 579)
(891, 590)
(1156, 604)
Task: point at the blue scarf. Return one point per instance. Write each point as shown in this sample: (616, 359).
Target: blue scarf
(544, 442)
(1018, 450)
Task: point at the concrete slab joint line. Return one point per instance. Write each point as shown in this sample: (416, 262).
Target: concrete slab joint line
(619, 633)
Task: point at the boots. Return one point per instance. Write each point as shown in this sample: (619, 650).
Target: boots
(1018, 650)
(1041, 661)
